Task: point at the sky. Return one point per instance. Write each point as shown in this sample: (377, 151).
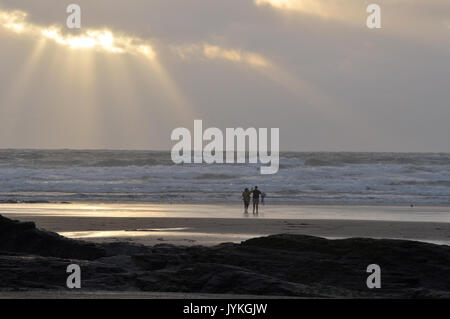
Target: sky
(138, 69)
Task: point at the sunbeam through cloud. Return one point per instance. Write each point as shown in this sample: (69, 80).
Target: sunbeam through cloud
(101, 40)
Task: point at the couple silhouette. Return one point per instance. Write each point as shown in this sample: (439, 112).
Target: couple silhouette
(255, 194)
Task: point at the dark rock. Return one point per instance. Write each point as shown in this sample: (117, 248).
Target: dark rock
(24, 237)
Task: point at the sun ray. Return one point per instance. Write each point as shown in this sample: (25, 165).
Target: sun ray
(182, 107)
(27, 70)
(77, 70)
(10, 102)
(103, 40)
(124, 93)
(80, 68)
(106, 41)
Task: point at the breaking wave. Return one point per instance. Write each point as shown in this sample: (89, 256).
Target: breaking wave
(151, 176)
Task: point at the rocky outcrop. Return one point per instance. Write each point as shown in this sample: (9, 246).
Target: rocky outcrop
(24, 237)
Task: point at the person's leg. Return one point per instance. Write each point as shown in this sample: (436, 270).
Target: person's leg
(254, 203)
(257, 206)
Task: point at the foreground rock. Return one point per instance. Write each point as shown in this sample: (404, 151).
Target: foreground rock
(289, 265)
(23, 237)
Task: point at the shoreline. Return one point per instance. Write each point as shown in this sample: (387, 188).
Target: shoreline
(235, 210)
(233, 203)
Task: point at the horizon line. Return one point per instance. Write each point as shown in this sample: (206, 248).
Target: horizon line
(168, 150)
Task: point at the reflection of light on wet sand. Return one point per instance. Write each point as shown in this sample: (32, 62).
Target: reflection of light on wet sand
(169, 235)
(120, 233)
(153, 210)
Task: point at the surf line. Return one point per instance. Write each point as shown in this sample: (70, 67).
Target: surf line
(235, 150)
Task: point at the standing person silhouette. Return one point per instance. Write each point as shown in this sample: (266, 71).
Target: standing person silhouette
(246, 198)
(256, 193)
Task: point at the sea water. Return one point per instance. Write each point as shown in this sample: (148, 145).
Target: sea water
(151, 176)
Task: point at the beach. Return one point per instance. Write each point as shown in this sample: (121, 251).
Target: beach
(216, 251)
(206, 224)
(137, 136)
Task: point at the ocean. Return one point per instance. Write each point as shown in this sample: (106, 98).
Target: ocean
(151, 176)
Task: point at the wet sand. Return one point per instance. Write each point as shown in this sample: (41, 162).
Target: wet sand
(152, 224)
